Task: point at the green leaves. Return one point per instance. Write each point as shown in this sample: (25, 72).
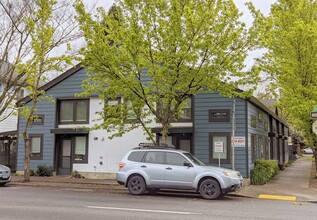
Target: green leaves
(165, 51)
(289, 33)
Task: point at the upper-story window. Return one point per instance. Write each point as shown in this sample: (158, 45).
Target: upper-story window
(74, 111)
(186, 112)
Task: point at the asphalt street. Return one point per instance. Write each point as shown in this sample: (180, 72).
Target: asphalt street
(22, 202)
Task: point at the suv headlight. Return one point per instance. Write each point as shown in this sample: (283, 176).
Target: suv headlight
(230, 173)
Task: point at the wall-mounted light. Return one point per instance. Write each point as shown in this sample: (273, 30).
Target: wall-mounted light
(95, 138)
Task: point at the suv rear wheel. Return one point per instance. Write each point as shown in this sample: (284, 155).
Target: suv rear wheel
(209, 189)
(136, 185)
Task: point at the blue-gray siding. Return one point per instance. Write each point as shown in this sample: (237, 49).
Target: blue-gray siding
(202, 127)
(66, 88)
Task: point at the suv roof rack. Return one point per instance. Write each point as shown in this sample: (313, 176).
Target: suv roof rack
(154, 146)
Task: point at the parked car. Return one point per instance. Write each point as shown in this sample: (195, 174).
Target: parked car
(150, 167)
(307, 150)
(5, 175)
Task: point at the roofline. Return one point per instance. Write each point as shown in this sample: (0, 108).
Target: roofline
(53, 82)
(259, 104)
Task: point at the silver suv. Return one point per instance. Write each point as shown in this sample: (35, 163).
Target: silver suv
(152, 167)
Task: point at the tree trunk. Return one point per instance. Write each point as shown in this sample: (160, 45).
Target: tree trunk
(27, 151)
(315, 156)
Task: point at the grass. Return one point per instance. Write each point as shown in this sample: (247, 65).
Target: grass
(311, 158)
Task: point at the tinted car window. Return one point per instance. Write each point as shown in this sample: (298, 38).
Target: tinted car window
(175, 159)
(154, 157)
(136, 156)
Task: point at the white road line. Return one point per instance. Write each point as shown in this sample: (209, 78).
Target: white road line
(144, 210)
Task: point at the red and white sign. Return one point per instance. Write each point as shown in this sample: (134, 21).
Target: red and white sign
(239, 141)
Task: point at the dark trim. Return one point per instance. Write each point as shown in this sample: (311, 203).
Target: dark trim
(39, 116)
(52, 83)
(212, 111)
(41, 136)
(74, 101)
(175, 130)
(222, 161)
(272, 134)
(254, 147)
(70, 131)
(9, 133)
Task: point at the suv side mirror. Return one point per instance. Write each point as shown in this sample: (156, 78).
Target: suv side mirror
(187, 164)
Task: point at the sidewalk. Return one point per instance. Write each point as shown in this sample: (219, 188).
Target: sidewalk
(293, 181)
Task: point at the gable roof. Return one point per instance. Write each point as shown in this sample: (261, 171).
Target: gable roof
(54, 82)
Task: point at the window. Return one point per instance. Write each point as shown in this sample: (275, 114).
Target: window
(219, 115)
(175, 159)
(260, 116)
(74, 111)
(219, 147)
(266, 125)
(38, 120)
(186, 112)
(253, 121)
(80, 149)
(112, 108)
(136, 156)
(132, 112)
(154, 157)
(36, 146)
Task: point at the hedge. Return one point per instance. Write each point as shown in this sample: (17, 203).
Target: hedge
(264, 171)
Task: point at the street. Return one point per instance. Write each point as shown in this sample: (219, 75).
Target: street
(20, 202)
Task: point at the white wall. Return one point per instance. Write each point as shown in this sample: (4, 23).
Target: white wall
(102, 149)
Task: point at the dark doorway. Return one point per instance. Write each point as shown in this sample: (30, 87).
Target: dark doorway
(65, 156)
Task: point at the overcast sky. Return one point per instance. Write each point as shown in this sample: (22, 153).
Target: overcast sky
(263, 5)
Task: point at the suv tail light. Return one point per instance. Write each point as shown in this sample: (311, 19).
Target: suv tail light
(121, 165)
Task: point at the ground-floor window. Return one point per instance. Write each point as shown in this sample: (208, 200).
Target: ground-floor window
(36, 146)
(219, 147)
(80, 149)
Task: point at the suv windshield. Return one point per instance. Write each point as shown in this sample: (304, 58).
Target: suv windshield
(194, 159)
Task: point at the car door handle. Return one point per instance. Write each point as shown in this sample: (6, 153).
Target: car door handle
(169, 168)
(143, 166)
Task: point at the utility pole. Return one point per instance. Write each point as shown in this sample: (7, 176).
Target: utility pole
(233, 130)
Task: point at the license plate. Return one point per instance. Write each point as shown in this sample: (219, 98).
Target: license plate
(5, 176)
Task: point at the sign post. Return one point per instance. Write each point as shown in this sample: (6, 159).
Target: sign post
(219, 149)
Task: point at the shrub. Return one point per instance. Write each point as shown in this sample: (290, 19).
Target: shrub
(264, 170)
(44, 170)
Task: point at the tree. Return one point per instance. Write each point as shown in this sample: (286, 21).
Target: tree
(14, 47)
(49, 25)
(290, 35)
(158, 53)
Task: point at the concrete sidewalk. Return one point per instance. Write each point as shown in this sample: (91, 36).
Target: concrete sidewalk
(293, 181)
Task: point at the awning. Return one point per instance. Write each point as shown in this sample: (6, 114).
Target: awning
(175, 130)
(70, 131)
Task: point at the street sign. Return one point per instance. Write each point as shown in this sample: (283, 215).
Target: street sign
(314, 127)
(313, 115)
(218, 147)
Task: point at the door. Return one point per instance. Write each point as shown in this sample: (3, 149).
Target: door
(65, 157)
(184, 143)
(177, 175)
(153, 165)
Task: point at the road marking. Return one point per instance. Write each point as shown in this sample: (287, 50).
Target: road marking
(144, 210)
(288, 198)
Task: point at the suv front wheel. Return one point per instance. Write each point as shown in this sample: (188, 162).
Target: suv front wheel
(209, 189)
(136, 185)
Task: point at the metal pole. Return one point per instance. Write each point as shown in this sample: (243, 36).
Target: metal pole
(233, 130)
